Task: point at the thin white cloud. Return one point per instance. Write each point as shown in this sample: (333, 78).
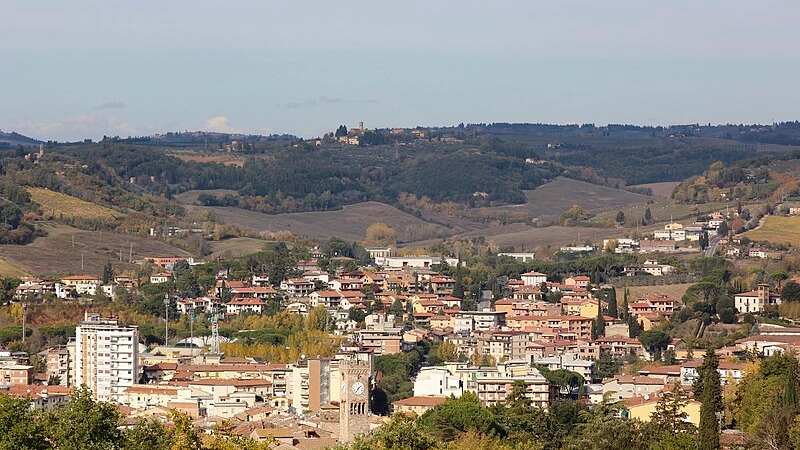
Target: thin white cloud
(323, 100)
(111, 105)
(76, 128)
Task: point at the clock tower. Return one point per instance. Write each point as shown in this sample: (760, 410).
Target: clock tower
(355, 370)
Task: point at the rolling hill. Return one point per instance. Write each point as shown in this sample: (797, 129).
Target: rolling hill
(349, 223)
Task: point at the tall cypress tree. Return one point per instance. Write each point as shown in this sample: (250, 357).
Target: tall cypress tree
(599, 324)
(624, 312)
(612, 303)
(711, 398)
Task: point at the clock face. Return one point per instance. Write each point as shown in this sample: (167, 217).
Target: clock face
(358, 388)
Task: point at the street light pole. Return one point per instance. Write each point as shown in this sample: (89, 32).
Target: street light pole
(166, 319)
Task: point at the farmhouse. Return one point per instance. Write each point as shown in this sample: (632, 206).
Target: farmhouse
(755, 301)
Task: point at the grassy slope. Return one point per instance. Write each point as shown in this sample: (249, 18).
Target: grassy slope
(349, 223)
(777, 230)
(236, 247)
(59, 204)
(189, 197)
(55, 255)
(675, 291)
(660, 190)
(557, 196)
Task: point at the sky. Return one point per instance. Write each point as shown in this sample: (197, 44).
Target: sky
(85, 69)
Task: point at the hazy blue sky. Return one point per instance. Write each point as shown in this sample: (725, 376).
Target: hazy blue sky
(75, 69)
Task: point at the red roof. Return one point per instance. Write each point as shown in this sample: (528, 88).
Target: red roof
(420, 401)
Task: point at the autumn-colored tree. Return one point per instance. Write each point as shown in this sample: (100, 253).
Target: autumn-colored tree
(379, 233)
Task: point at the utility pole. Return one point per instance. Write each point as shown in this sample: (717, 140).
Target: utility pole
(24, 310)
(166, 319)
(191, 333)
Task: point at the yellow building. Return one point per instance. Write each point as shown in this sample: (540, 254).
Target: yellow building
(643, 407)
(417, 405)
(589, 308)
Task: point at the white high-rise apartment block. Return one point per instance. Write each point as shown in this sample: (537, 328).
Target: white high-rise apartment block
(106, 356)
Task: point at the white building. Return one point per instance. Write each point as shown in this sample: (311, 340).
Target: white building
(568, 362)
(493, 384)
(521, 257)
(437, 381)
(533, 278)
(484, 320)
(107, 356)
(416, 262)
(379, 254)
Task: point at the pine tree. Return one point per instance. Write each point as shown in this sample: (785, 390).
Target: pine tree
(711, 398)
(648, 216)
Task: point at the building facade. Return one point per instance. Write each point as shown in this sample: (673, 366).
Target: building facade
(106, 356)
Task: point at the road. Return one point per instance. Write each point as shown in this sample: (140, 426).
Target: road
(711, 250)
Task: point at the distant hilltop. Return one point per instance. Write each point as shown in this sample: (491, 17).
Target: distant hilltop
(13, 139)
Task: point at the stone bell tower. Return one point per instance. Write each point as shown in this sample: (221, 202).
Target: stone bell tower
(355, 369)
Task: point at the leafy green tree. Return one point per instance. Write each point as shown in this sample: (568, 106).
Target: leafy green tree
(84, 423)
(279, 261)
(400, 433)
(610, 433)
(790, 291)
(606, 367)
(669, 416)
(148, 433)
(711, 398)
(655, 341)
(317, 319)
(20, 427)
(458, 415)
(184, 435)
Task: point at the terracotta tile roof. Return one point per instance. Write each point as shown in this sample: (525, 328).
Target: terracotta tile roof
(420, 401)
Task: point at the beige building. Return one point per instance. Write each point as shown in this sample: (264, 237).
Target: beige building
(417, 405)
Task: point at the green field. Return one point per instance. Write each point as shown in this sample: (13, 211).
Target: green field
(190, 197)
(236, 247)
(777, 230)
